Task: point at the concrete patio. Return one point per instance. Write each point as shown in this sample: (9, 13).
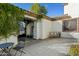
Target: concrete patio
(48, 47)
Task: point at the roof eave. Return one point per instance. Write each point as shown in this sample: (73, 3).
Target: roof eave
(65, 4)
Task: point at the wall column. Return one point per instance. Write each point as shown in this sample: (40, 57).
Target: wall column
(37, 29)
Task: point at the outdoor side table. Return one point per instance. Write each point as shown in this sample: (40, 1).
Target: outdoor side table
(5, 48)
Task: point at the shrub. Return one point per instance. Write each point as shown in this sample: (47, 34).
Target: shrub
(10, 15)
(74, 50)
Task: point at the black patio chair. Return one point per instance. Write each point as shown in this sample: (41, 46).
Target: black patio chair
(20, 46)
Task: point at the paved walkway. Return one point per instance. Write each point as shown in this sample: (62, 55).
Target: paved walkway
(48, 47)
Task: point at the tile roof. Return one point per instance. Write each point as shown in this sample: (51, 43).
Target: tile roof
(62, 17)
(29, 13)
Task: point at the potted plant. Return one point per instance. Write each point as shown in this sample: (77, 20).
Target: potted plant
(10, 15)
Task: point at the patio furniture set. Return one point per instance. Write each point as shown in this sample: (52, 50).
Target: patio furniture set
(5, 48)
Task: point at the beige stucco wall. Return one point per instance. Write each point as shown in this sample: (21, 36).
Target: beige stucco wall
(42, 28)
(46, 28)
(57, 26)
(29, 29)
(37, 29)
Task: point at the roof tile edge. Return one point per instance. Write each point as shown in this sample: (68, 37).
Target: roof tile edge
(65, 4)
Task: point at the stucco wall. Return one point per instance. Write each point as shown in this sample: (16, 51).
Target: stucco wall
(12, 39)
(46, 28)
(37, 29)
(42, 28)
(29, 29)
(72, 9)
(57, 26)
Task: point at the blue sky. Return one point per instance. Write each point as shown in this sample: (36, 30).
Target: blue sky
(54, 9)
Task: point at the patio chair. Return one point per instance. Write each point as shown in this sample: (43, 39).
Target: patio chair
(20, 46)
(5, 48)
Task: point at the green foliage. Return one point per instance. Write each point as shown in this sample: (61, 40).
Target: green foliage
(43, 10)
(9, 17)
(38, 9)
(74, 50)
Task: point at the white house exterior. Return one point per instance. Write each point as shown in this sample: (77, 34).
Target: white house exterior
(43, 27)
(71, 9)
(46, 26)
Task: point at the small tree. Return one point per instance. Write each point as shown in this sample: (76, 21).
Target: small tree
(43, 10)
(9, 17)
(39, 10)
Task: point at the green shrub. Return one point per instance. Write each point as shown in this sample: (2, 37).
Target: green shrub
(74, 50)
(10, 15)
